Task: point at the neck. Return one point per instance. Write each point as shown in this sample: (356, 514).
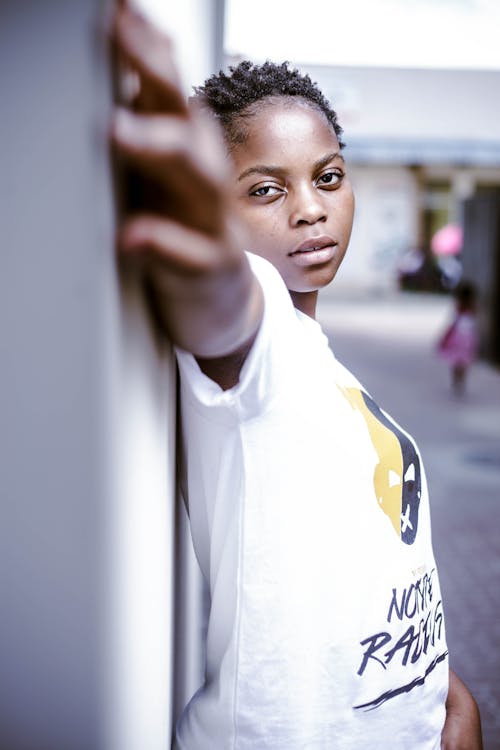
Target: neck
(305, 302)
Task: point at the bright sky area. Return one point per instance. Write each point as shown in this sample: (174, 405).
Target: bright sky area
(403, 33)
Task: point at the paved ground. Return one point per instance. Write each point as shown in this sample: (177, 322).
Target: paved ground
(388, 343)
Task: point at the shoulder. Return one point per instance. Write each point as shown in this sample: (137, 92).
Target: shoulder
(251, 374)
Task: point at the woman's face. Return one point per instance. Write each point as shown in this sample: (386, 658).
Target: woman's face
(292, 193)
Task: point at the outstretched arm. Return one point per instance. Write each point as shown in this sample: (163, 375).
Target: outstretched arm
(462, 729)
(206, 297)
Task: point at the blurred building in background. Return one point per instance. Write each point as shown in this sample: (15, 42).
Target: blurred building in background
(423, 147)
(419, 143)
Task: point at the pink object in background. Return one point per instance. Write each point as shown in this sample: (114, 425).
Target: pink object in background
(448, 240)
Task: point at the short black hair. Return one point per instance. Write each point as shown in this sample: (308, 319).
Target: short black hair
(230, 96)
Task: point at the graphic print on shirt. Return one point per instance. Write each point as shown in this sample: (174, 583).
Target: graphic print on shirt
(412, 630)
(397, 477)
(413, 635)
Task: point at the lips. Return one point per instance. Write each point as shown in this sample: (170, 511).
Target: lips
(312, 244)
(314, 252)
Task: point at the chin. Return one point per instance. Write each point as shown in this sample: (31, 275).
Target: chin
(318, 280)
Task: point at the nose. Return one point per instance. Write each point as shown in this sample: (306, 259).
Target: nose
(308, 207)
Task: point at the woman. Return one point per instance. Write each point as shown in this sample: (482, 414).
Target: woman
(308, 504)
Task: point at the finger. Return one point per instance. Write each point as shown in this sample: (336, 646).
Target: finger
(173, 246)
(151, 53)
(146, 139)
(163, 148)
(152, 140)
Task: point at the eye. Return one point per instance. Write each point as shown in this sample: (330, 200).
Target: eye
(330, 179)
(266, 191)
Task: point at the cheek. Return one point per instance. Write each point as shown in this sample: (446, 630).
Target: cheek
(263, 230)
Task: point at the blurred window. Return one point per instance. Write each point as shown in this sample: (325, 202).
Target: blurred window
(487, 188)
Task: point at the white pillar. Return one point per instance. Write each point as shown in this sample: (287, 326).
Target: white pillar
(87, 406)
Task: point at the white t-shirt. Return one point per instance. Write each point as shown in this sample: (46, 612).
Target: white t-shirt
(310, 519)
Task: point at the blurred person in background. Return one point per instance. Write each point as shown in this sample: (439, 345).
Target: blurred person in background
(308, 504)
(458, 346)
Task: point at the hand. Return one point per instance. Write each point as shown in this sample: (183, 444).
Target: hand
(462, 728)
(206, 297)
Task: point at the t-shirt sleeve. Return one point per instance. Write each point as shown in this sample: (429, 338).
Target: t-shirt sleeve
(265, 366)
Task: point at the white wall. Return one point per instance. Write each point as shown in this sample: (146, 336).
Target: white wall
(87, 532)
(413, 103)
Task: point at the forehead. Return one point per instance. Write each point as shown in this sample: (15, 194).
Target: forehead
(284, 130)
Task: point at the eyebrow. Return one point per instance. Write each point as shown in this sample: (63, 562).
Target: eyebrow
(278, 171)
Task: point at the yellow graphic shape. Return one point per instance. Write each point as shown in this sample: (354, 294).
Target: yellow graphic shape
(388, 473)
